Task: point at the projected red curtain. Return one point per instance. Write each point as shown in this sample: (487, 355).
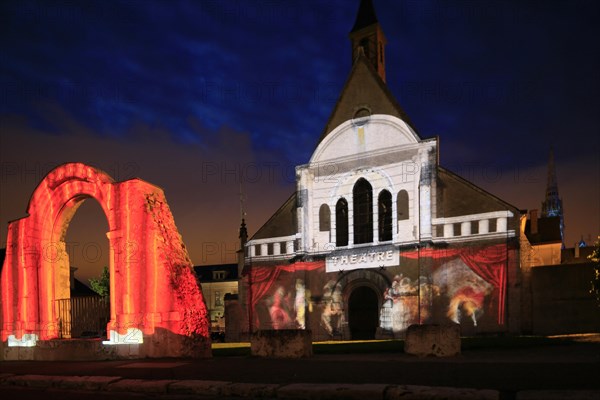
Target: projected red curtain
(490, 263)
(261, 278)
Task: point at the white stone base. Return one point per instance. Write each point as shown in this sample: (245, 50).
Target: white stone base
(133, 336)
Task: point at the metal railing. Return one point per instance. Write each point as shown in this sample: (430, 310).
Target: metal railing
(83, 317)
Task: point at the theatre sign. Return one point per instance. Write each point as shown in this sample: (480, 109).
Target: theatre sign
(345, 260)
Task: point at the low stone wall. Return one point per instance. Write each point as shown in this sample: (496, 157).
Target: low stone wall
(284, 343)
(65, 349)
(156, 346)
(433, 340)
(233, 318)
(561, 301)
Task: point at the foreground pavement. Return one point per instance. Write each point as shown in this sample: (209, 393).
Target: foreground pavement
(544, 372)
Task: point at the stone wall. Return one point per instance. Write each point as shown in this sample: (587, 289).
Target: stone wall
(284, 343)
(433, 340)
(561, 300)
(159, 345)
(234, 318)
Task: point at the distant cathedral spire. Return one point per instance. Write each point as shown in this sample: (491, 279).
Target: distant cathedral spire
(366, 34)
(552, 206)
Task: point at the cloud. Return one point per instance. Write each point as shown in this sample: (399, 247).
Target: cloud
(190, 96)
(524, 186)
(201, 181)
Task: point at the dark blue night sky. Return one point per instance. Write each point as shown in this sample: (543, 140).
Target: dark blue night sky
(254, 81)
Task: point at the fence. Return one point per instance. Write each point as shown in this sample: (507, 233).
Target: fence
(81, 317)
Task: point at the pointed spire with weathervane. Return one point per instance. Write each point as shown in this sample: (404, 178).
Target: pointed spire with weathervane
(365, 91)
(552, 206)
(367, 37)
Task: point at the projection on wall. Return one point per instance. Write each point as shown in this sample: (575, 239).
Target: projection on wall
(464, 285)
(278, 296)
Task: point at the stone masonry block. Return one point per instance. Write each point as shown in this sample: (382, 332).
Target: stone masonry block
(433, 340)
(283, 343)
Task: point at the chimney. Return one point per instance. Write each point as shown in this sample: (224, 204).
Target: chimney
(72, 276)
(533, 218)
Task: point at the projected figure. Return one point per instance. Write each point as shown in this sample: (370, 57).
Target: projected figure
(469, 301)
(332, 313)
(385, 319)
(280, 317)
(400, 306)
(465, 289)
(300, 304)
(405, 302)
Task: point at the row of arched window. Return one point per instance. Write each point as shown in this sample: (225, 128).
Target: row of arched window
(362, 199)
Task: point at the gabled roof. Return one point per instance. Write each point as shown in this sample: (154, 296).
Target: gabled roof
(363, 87)
(282, 223)
(205, 272)
(548, 231)
(80, 289)
(462, 196)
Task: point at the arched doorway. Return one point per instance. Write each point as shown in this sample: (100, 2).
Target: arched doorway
(84, 313)
(363, 313)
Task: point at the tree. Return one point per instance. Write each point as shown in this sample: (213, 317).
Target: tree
(102, 284)
(595, 257)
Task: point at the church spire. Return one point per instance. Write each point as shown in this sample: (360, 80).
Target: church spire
(243, 234)
(552, 205)
(367, 37)
(243, 231)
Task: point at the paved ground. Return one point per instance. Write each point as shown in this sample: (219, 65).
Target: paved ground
(509, 373)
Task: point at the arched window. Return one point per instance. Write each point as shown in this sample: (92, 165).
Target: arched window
(341, 223)
(402, 205)
(362, 196)
(324, 218)
(364, 43)
(385, 216)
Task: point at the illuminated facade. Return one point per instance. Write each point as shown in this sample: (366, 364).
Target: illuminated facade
(155, 303)
(542, 236)
(217, 281)
(378, 235)
(541, 240)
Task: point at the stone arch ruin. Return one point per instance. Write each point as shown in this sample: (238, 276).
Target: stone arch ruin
(156, 304)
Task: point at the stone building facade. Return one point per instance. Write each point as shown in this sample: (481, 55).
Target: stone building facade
(378, 235)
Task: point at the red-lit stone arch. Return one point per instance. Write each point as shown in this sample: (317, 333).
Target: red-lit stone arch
(155, 299)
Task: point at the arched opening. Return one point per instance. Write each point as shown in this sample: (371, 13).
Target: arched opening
(148, 262)
(402, 204)
(362, 196)
(324, 218)
(341, 223)
(364, 43)
(83, 312)
(385, 216)
(363, 313)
